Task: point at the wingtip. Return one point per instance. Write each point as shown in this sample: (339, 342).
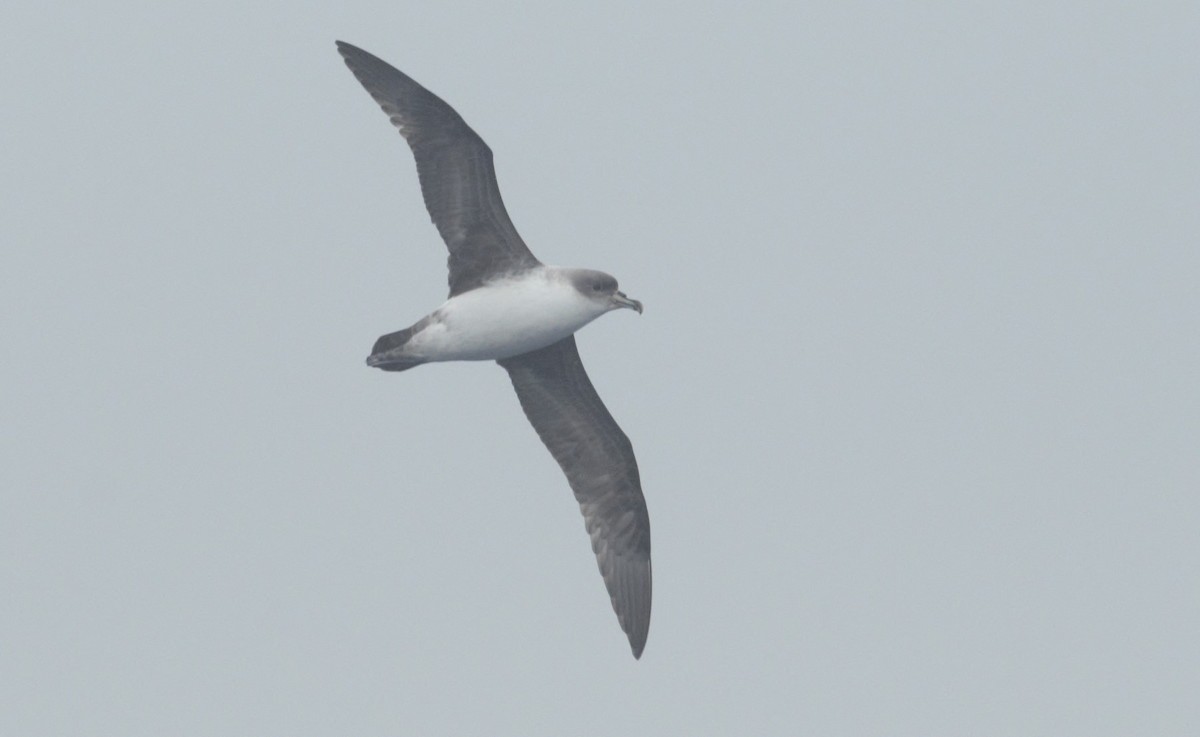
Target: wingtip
(630, 592)
(347, 49)
(637, 641)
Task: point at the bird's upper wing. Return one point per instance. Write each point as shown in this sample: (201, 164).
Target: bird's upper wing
(598, 460)
(456, 173)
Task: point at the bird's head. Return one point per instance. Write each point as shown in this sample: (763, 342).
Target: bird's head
(597, 286)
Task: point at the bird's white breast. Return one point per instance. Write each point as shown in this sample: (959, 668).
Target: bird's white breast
(506, 319)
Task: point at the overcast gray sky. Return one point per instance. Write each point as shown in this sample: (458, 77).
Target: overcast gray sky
(914, 395)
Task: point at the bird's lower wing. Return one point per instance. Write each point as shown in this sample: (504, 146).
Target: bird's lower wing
(597, 458)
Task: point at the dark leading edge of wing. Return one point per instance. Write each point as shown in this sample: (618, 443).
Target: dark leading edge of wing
(456, 173)
(598, 460)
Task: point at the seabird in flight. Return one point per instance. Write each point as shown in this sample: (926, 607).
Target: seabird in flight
(508, 307)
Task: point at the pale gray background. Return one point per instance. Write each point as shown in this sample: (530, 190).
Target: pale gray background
(915, 394)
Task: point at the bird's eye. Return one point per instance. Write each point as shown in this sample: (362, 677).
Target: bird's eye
(597, 287)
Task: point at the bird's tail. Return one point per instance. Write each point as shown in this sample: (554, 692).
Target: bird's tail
(389, 351)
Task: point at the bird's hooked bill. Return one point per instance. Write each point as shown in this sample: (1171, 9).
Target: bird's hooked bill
(622, 301)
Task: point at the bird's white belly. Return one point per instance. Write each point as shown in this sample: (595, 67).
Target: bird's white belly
(504, 319)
